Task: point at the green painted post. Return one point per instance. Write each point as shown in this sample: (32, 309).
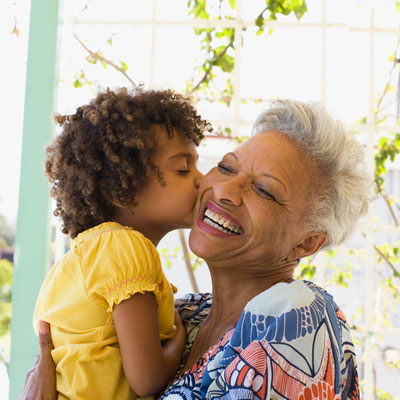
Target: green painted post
(32, 236)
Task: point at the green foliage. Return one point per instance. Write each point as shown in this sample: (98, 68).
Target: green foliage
(388, 149)
(80, 78)
(6, 271)
(275, 7)
(169, 255)
(306, 269)
(383, 395)
(123, 65)
(218, 44)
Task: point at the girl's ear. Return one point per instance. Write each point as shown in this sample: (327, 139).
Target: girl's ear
(116, 203)
(309, 245)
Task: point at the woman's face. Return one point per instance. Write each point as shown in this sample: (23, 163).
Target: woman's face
(251, 206)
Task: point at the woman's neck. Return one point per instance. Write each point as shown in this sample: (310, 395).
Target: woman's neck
(234, 288)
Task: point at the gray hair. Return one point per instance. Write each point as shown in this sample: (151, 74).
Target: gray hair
(348, 188)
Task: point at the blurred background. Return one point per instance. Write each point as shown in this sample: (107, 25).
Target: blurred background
(233, 57)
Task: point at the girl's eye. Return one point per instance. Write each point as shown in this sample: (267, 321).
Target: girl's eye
(224, 168)
(183, 171)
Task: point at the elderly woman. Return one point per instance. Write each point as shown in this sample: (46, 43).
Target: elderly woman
(297, 186)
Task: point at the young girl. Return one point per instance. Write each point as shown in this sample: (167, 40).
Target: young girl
(123, 173)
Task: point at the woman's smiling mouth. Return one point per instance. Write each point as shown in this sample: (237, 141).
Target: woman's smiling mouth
(220, 221)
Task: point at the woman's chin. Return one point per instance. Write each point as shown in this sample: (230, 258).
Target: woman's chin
(198, 245)
(206, 244)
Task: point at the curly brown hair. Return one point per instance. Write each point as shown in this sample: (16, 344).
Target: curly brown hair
(105, 150)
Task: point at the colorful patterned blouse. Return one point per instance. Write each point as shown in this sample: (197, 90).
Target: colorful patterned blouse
(291, 342)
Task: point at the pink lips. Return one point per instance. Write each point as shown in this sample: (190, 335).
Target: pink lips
(209, 229)
(222, 213)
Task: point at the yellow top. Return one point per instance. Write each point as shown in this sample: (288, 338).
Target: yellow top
(106, 265)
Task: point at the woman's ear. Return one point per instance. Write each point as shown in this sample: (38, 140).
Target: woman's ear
(309, 245)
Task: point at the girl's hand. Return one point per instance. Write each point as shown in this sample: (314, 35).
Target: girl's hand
(173, 348)
(40, 381)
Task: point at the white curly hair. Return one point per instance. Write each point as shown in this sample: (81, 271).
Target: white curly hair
(347, 186)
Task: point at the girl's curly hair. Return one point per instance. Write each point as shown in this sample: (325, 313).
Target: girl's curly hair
(105, 150)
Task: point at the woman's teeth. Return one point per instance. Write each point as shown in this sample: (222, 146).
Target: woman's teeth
(220, 223)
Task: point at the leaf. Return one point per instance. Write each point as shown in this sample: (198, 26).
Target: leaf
(260, 21)
(77, 83)
(91, 60)
(197, 8)
(226, 63)
(392, 57)
(383, 141)
(232, 4)
(123, 65)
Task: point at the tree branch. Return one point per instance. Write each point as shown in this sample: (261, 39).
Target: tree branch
(384, 195)
(395, 61)
(97, 56)
(187, 261)
(386, 258)
(85, 7)
(212, 64)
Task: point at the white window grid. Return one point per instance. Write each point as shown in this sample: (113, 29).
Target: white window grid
(368, 337)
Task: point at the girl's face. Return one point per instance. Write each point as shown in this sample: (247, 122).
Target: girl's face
(161, 209)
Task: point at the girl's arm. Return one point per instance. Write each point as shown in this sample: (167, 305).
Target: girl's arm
(148, 365)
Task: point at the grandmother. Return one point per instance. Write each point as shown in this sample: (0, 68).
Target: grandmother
(297, 186)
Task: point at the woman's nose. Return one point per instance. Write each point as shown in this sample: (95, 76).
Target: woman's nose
(229, 191)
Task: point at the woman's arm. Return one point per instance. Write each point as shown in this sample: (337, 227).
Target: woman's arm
(148, 365)
(40, 382)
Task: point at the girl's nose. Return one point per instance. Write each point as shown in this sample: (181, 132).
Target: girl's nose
(229, 191)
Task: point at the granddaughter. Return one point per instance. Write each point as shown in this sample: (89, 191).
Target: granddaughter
(123, 174)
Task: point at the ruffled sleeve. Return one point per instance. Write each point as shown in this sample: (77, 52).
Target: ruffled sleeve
(117, 263)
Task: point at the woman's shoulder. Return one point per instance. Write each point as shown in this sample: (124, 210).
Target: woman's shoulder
(194, 306)
(284, 297)
(290, 313)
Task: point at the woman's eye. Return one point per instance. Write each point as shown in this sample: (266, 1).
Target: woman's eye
(224, 168)
(264, 193)
(183, 171)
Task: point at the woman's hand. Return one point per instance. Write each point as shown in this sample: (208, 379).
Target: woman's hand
(40, 381)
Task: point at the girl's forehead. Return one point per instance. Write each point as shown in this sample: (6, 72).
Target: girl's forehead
(177, 146)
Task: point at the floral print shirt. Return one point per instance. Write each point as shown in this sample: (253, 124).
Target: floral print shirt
(291, 342)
